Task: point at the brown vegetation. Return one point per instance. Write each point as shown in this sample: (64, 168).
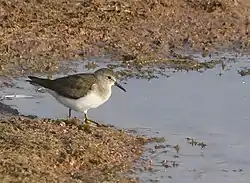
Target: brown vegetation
(36, 34)
(48, 151)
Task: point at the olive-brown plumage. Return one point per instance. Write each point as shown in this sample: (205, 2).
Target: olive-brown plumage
(73, 86)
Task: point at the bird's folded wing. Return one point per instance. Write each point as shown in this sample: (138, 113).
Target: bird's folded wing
(73, 86)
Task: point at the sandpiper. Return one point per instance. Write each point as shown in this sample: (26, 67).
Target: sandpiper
(80, 92)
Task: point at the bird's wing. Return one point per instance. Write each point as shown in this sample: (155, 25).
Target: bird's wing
(72, 86)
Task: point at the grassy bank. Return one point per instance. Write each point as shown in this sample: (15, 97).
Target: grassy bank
(51, 151)
(35, 35)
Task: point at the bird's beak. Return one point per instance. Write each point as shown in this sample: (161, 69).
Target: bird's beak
(119, 86)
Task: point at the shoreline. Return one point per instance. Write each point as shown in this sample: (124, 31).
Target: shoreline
(61, 150)
(37, 35)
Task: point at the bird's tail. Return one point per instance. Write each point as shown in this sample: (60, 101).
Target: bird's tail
(39, 81)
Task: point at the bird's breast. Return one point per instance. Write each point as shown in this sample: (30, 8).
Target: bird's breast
(94, 99)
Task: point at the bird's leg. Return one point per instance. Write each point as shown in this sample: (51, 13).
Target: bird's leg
(87, 121)
(69, 113)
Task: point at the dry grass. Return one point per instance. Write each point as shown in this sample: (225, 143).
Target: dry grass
(45, 151)
(36, 34)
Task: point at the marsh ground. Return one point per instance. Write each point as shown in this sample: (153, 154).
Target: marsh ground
(37, 36)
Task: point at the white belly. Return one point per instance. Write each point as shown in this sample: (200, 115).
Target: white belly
(92, 100)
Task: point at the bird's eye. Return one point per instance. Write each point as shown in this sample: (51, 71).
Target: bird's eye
(109, 77)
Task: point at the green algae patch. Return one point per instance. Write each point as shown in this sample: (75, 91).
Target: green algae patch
(244, 72)
(47, 151)
(149, 68)
(195, 142)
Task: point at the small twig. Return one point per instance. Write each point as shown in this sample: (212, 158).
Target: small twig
(15, 96)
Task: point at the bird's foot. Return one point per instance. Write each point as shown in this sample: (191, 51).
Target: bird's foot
(91, 122)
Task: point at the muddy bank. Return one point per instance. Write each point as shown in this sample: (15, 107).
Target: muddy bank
(37, 34)
(7, 111)
(50, 151)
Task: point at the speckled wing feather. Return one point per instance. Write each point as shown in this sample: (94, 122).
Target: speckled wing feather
(72, 86)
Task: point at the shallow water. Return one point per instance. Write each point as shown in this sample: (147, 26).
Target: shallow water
(205, 106)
